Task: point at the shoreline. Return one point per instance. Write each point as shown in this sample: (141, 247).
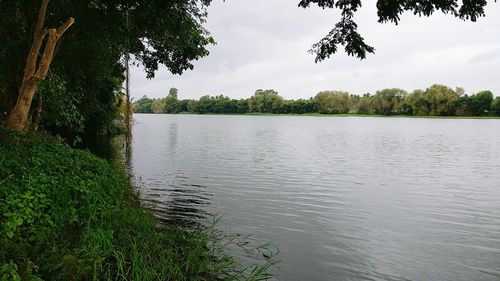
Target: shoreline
(327, 115)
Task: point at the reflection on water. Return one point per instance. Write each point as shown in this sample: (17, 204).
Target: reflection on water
(342, 198)
(179, 204)
(174, 199)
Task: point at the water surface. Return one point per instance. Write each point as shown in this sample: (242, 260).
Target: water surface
(343, 198)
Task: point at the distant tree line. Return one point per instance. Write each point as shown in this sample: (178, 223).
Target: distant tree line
(437, 100)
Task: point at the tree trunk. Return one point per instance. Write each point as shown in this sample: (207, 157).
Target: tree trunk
(128, 109)
(19, 114)
(18, 117)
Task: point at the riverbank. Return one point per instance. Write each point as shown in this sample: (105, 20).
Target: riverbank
(66, 214)
(339, 115)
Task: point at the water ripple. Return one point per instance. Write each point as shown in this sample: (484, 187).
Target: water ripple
(343, 198)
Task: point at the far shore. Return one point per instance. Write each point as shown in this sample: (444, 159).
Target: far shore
(330, 115)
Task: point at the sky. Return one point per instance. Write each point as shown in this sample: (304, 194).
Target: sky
(262, 44)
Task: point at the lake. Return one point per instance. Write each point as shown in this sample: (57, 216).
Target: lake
(343, 198)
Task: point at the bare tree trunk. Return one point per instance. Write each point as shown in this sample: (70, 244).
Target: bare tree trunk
(128, 109)
(18, 117)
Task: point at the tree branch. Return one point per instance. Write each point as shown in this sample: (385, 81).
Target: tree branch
(39, 35)
(41, 17)
(48, 53)
(64, 27)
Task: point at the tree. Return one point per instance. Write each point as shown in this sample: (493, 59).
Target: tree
(182, 106)
(442, 100)
(266, 101)
(495, 107)
(175, 41)
(333, 102)
(484, 100)
(418, 104)
(363, 105)
(143, 105)
(36, 70)
(222, 104)
(300, 106)
(204, 104)
(241, 106)
(389, 101)
(467, 106)
(171, 101)
(345, 31)
(192, 106)
(158, 106)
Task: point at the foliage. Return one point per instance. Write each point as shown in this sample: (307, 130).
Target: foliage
(389, 101)
(143, 105)
(362, 105)
(67, 215)
(467, 106)
(192, 106)
(418, 104)
(442, 100)
(484, 100)
(86, 76)
(62, 111)
(171, 101)
(333, 102)
(266, 101)
(300, 106)
(158, 106)
(437, 100)
(495, 107)
(215, 104)
(181, 106)
(242, 106)
(345, 32)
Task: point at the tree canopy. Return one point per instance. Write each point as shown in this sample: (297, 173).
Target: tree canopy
(83, 88)
(345, 32)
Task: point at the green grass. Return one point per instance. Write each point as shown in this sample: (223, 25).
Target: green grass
(373, 115)
(68, 215)
(346, 115)
(313, 114)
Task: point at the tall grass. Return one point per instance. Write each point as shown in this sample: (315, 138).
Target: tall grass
(68, 215)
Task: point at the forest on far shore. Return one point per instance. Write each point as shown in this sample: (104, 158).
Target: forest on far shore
(436, 100)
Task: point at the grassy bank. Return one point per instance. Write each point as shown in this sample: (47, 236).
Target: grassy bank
(373, 115)
(344, 115)
(68, 215)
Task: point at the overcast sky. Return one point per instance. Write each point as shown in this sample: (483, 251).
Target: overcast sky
(262, 44)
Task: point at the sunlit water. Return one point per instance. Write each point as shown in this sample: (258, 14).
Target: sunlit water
(342, 198)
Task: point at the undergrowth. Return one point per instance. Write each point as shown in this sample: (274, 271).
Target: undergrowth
(68, 215)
